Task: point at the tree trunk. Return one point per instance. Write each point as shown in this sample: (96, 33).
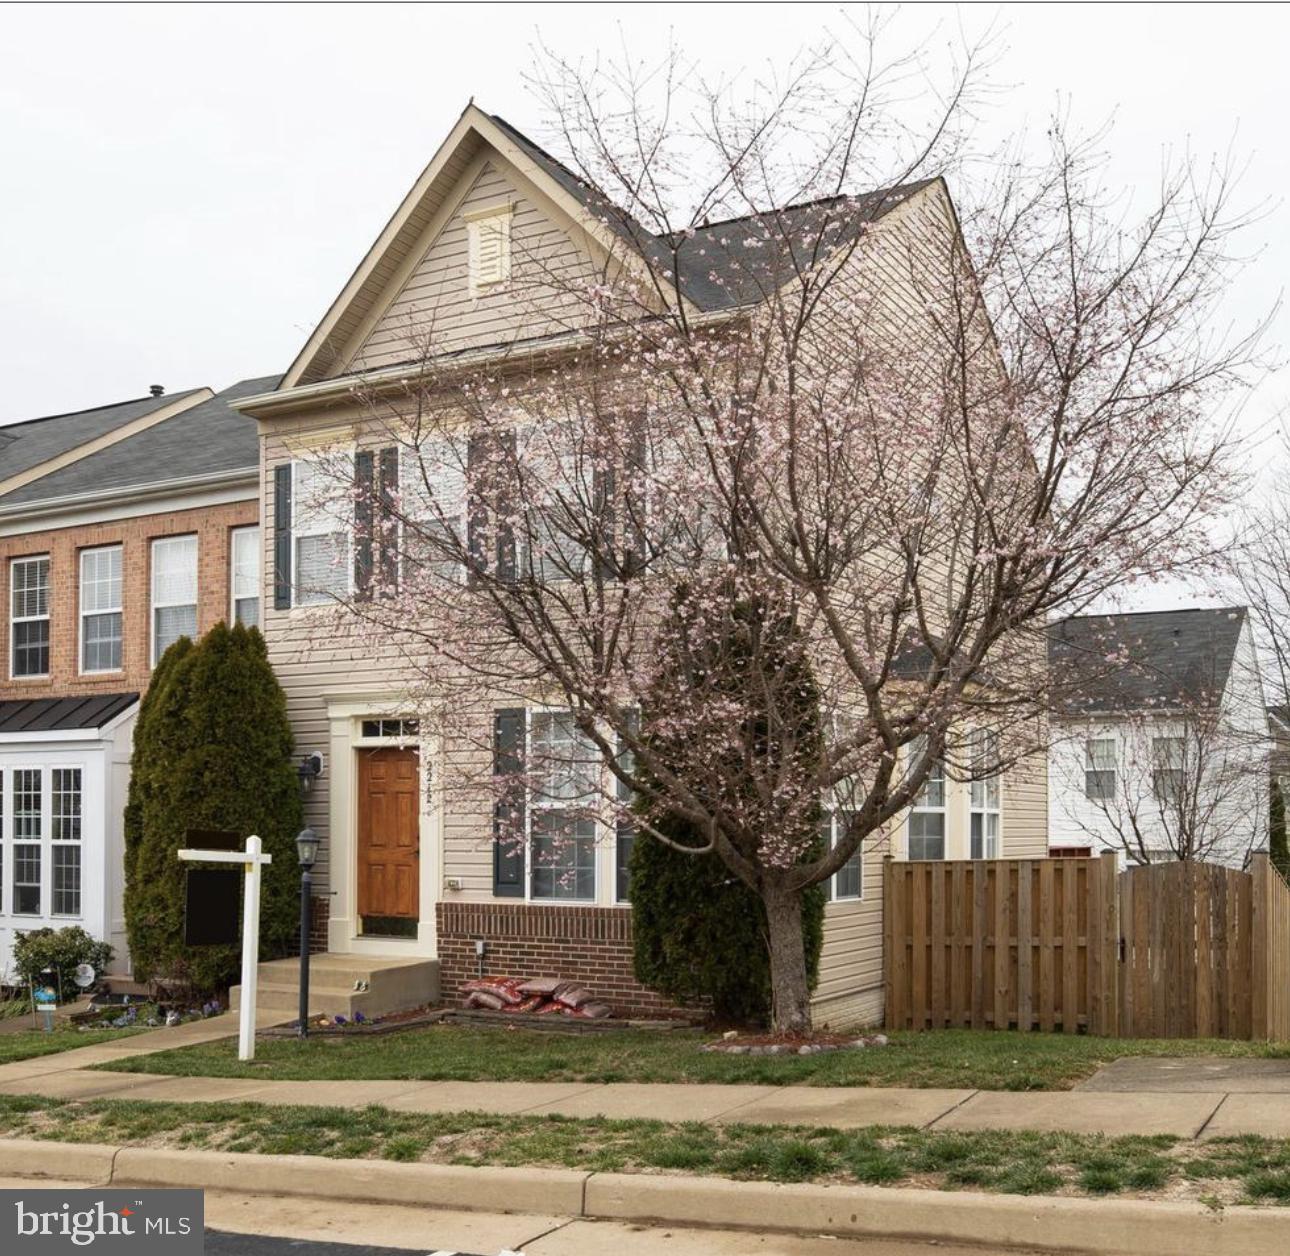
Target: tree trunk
(790, 993)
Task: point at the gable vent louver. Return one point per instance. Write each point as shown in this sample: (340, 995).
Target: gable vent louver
(490, 248)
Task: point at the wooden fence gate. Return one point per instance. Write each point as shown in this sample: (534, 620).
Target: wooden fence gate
(1174, 950)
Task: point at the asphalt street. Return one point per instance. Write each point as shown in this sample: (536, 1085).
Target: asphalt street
(224, 1243)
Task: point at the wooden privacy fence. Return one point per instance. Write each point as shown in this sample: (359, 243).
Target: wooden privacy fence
(1172, 950)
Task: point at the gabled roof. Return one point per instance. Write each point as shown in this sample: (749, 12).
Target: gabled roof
(52, 715)
(1145, 661)
(28, 444)
(717, 269)
(208, 439)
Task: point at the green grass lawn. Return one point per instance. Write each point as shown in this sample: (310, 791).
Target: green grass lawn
(27, 1044)
(1229, 1171)
(954, 1058)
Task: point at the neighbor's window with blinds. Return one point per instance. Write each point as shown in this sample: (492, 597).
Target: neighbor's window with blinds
(174, 592)
(244, 580)
(101, 609)
(489, 234)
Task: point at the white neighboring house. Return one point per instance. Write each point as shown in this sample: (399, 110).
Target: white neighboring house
(1160, 745)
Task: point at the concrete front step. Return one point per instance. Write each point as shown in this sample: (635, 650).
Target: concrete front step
(394, 984)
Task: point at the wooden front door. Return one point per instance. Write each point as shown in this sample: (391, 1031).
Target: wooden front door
(389, 845)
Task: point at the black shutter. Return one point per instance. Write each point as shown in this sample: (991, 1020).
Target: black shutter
(363, 518)
(508, 811)
(389, 554)
(636, 505)
(485, 500)
(501, 501)
(604, 494)
(625, 826)
(282, 536)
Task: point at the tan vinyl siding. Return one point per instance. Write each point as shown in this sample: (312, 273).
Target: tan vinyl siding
(436, 301)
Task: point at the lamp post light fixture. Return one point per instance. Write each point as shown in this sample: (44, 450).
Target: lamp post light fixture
(307, 843)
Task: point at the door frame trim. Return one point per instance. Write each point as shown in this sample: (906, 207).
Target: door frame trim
(345, 713)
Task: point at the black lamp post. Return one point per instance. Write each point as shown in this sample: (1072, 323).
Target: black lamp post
(307, 852)
(307, 843)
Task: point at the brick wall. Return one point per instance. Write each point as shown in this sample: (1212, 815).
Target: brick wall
(588, 944)
(319, 911)
(212, 524)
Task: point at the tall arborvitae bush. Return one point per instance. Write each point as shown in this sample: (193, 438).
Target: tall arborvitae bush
(212, 751)
(699, 933)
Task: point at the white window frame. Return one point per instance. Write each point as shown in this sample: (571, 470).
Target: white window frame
(832, 814)
(30, 619)
(918, 806)
(979, 797)
(257, 548)
(41, 842)
(491, 217)
(82, 614)
(53, 844)
(1090, 761)
(1177, 767)
(153, 604)
(529, 808)
(412, 458)
(341, 527)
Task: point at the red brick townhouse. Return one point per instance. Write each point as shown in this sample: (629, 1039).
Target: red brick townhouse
(122, 528)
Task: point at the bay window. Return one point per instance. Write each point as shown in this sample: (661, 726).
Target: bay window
(28, 814)
(927, 813)
(983, 794)
(65, 843)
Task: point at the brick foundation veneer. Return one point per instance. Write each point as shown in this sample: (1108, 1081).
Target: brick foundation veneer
(588, 944)
(319, 911)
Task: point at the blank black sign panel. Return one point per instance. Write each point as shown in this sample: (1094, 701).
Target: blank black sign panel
(213, 839)
(213, 907)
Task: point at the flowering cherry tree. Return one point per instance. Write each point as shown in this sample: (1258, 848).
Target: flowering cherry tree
(797, 377)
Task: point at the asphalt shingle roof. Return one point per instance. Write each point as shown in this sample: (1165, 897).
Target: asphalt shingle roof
(209, 438)
(47, 715)
(1143, 661)
(718, 267)
(33, 441)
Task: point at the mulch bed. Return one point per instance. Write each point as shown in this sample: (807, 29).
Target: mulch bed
(419, 1018)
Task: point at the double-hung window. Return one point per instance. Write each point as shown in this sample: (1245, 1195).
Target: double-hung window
(28, 817)
(847, 882)
(927, 814)
(174, 592)
(564, 765)
(65, 840)
(244, 575)
(432, 480)
(983, 794)
(29, 616)
(1167, 755)
(101, 609)
(322, 565)
(1099, 768)
(559, 483)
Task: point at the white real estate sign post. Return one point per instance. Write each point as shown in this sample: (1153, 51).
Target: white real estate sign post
(252, 861)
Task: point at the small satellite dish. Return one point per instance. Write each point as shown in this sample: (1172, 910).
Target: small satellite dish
(85, 975)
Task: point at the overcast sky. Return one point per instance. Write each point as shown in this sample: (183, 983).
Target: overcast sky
(184, 190)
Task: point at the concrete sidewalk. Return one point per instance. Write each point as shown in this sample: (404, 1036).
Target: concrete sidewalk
(1244, 1108)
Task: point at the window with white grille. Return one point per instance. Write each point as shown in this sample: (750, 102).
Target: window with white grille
(432, 480)
(562, 828)
(983, 794)
(65, 840)
(101, 609)
(29, 616)
(489, 234)
(244, 577)
(28, 814)
(174, 592)
(322, 567)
